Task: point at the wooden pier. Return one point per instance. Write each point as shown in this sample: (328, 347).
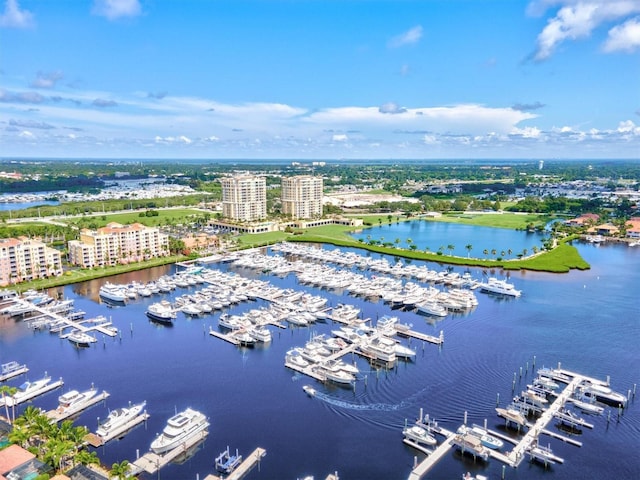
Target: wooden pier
(152, 462)
(56, 416)
(96, 440)
(244, 468)
(12, 402)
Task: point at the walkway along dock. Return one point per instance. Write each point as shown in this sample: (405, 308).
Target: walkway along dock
(526, 442)
(244, 468)
(152, 462)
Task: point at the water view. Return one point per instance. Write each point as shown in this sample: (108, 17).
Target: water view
(588, 321)
(438, 236)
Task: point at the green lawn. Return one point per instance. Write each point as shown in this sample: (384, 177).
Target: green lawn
(515, 221)
(164, 216)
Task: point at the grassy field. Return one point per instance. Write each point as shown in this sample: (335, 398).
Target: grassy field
(514, 221)
(164, 217)
(82, 275)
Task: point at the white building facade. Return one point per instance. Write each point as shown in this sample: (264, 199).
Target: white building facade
(244, 197)
(302, 196)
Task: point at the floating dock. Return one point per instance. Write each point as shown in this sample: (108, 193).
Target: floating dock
(152, 462)
(13, 373)
(405, 331)
(56, 416)
(244, 468)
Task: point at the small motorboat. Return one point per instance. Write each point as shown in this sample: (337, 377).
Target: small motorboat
(309, 390)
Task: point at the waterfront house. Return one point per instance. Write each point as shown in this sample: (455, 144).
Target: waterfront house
(633, 227)
(582, 220)
(18, 463)
(606, 229)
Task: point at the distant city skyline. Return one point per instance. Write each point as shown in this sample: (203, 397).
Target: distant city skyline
(311, 79)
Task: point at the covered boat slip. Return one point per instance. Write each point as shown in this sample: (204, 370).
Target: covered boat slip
(245, 467)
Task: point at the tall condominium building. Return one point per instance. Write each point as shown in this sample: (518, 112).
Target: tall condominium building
(244, 197)
(302, 196)
(23, 259)
(117, 243)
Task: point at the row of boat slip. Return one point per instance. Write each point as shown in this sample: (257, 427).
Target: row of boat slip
(382, 265)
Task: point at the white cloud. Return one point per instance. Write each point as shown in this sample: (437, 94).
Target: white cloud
(26, 134)
(14, 17)
(411, 36)
(340, 137)
(391, 108)
(114, 9)
(526, 132)
(47, 79)
(577, 19)
(625, 37)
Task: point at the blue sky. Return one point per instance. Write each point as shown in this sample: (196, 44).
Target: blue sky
(329, 79)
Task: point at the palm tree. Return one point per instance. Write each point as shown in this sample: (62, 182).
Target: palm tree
(6, 390)
(409, 242)
(486, 252)
(469, 247)
(509, 252)
(120, 470)
(85, 457)
(502, 253)
(524, 252)
(451, 248)
(493, 252)
(397, 242)
(20, 435)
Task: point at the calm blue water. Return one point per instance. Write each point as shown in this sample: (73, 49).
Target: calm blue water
(589, 321)
(23, 205)
(433, 235)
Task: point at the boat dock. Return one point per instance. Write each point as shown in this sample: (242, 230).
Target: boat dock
(61, 319)
(152, 462)
(97, 441)
(56, 416)
(527, 442)
(12, 369)
(244, 468)
(405, 331)
(11, 402)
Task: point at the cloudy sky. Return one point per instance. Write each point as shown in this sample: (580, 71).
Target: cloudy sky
(320, 79)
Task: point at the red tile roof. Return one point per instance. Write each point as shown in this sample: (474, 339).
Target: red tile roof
(12, 457)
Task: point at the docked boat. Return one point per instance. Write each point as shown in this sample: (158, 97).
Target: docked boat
(419, 435)
(337, 375)
(118, 418)
(179, 429)
(468, 476)
(587, 406)
(161, 312)
(543, 455)
(294, 359)
(501, 287)
(260, 334)
(432, 308)
(472, 445)
(81, 339)
(604, 394)
(113, 293)
(512, 415)
(74, 401)
(30, 389)
(485, 437)
(227, 462)
(380, 348)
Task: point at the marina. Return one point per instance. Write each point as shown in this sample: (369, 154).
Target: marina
(74, 402)
(454, 378)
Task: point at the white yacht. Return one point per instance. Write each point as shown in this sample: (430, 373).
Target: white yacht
(81, 339)
(419, 435)
(29, 389)
(161, 311)
(432, 308)
(113, 293)
(74, 401)
(502, 287)
(118, 418)
(485, 437)
(179, 429)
